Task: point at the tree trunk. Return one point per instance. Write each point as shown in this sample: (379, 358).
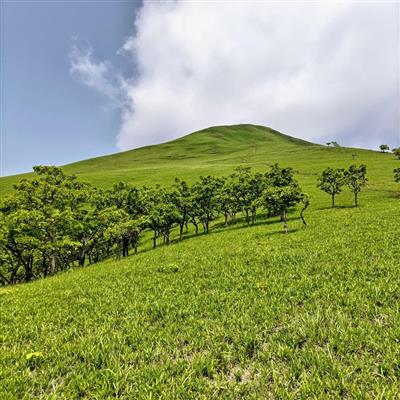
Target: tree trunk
(82, 257)
(247, 217)
(302, 216)
(181, 231)
(53, 264)
(356, 198)
(226, 218)
(29, 270)
(285, 222)
(155, 240)
(125, 247)
(253, 215)
(333, 200)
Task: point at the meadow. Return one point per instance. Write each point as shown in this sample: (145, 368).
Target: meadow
(243, 312)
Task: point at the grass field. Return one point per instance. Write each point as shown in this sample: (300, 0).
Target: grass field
(244, 312)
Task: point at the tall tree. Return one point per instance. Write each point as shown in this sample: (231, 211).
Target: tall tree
(282, 198)
(205, 197)
(331, 181)
(356, 179)
(384, 148)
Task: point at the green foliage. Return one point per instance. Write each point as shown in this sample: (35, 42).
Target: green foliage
(54, 221)
(281, 198)
(331, 181)
(356, 179)
(396, 152)
(397, 174)
(384, 148)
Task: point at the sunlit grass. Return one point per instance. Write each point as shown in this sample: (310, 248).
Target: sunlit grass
(244, 312)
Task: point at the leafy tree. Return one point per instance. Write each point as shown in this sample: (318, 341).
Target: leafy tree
(356, 179)
(278, 177)
(182, 199)
(397, 174)
(246, 188)
(205, 198)
(333, 144)
(383, 148)
(40, 220)
(282, 198)
(331, 181)
(227, 201)
(396, 152)
(161, 213)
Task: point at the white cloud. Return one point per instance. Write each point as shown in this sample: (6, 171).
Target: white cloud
(97, 75)
(314, 70)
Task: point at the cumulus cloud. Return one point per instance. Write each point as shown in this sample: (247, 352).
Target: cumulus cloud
(95, 74)
(313, 70)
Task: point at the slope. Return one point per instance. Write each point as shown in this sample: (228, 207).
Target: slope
(244, 312)
(214, 149)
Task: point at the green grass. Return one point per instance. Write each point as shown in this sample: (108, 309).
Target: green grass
(244, 312)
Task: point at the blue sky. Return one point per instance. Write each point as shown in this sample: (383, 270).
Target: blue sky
(48, 116)
(87, 78)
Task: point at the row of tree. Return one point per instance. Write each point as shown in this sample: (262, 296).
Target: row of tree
(54, 222)
(332, 181)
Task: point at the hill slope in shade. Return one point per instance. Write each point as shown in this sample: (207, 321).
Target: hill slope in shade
(215, 148)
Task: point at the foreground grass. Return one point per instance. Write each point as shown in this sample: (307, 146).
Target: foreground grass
(241, 313)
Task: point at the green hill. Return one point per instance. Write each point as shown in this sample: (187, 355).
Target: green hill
(241, 313)
(215, 149)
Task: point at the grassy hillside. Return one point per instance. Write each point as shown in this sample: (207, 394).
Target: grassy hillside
(244, 312)
(214, 150)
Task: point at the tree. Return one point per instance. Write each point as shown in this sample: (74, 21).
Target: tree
(356, 179)
(396, 152)
(161, 213)
(282, 198)
(181, 198)
(305, 198)
(246, 188)
(227, 201)
(40, 221)
(331, 181)
(205, 198)
(333, 144)
(397, 174)
(383, 148)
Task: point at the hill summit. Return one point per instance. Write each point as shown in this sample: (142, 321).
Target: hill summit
(211, 149)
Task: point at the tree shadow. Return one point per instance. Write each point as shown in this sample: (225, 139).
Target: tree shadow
(335, 208)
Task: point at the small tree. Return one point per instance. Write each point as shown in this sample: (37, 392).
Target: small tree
(384, 148)
(333, 144)
(205, 198)
(282, 198)
(331, 181)
(356, 179)
(396, 152)
(397, 174)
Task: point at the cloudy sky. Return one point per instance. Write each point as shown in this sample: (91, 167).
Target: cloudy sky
(81, 79)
